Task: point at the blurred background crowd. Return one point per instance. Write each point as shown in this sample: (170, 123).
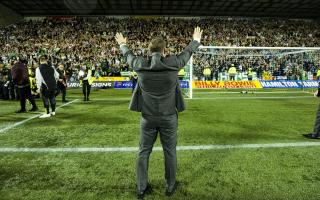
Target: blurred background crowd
(77, 42)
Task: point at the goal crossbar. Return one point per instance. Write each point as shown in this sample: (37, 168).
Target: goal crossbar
(271, 48)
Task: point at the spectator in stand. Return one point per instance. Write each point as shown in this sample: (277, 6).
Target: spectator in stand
(232, 72)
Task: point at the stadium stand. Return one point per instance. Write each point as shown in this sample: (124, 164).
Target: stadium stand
(89, 41)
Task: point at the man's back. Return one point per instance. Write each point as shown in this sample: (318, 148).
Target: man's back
(158, 85)
(19, 74)
(158, 88)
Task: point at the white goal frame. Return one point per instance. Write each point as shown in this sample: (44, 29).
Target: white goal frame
(298, 50)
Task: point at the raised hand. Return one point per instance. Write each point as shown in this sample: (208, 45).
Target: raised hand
(197, 34)
(120, 39)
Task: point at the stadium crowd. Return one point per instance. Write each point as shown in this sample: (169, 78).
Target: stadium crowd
(78, 42)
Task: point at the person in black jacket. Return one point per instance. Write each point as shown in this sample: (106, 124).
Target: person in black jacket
(62, 82)
(20, 77)
(46, 78)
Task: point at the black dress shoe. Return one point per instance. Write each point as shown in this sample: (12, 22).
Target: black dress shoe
(141, 194)
(311, 136)
(20, 111)
(169, 193)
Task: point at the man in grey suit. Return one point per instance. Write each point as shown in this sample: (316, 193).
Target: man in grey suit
(159, 99)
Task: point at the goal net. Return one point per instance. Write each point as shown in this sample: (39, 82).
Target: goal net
(220, 67)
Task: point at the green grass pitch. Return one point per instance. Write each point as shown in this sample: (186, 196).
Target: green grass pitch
(213, 117)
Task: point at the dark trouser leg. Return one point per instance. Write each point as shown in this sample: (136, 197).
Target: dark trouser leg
(84, 89)
(148, 136)
(5, 92)
(22, 95)
(45, 99)
(17, 92)
(62, 89)
(88, 90)
(64, 92)
(11, 91)
(30, 97)
(52, 99)
(317, 123)
(168, 137)
(1, 90)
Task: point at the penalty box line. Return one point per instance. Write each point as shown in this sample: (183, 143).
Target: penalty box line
(216, 98)
(30, 118)
(135, 149)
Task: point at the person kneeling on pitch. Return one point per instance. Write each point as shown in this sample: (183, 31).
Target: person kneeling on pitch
(47, 78)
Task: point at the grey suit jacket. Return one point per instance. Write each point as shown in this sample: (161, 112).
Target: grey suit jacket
(158, 90)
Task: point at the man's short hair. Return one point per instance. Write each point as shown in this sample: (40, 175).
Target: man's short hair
(158, 44)
(43, 58)
(21, 59)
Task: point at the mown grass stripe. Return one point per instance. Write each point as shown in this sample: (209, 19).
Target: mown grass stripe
(30, 118)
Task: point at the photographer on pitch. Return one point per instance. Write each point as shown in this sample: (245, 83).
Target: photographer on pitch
(158, 97)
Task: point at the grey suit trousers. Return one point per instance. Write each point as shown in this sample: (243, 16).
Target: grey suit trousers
(167, 127)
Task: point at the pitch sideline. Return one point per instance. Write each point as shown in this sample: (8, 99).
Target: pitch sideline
(135, 149)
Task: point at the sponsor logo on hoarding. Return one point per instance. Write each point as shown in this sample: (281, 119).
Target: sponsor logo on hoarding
(128, 84)
(310, 84)
(184, 84)
(226, 84)
(208, 84)
(279, 84)
(116, 78)
(99, 84)
(123, 84)
(243, 84)
(289, 84)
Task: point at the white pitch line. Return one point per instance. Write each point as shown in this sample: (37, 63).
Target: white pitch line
(135, 149)
(30, 118)
(225, 98)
